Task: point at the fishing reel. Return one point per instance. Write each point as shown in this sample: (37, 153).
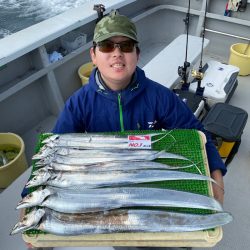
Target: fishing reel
(183, 72)
(196, 74)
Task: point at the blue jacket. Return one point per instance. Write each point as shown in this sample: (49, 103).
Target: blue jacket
(144, 105)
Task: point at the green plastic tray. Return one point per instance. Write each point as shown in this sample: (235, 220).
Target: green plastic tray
(186, 142)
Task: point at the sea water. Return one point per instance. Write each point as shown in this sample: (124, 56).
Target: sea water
(16, 15)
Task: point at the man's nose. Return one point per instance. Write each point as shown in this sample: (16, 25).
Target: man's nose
(117, 49)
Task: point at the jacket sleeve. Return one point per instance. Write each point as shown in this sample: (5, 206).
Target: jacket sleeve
(176, 114)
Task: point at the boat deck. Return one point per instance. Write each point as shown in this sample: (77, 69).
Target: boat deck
(237, 181)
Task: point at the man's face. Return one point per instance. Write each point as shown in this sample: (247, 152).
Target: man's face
(116, 67)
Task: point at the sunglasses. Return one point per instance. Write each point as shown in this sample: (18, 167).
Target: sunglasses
(109, 46)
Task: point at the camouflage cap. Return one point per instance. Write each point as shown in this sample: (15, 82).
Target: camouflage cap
(114, 24)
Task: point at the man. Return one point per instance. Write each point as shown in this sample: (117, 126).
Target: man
(119, 97)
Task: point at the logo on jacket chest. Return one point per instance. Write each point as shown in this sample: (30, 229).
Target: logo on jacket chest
(147, 125)
(151, 125)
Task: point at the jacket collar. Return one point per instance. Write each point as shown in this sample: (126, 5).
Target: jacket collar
(102, 85)
(136, 86)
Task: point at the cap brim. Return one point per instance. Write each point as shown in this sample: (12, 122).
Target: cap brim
(109, 35)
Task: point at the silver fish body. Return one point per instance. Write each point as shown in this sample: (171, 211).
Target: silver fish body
(118, 221)
(109, 166)
(94, 200)
(82, 137)
(90, 158)
(100, 141)
(90, 141)
(103, 179)
(95, 137)
(46, 152)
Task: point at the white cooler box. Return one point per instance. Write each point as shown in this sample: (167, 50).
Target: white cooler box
(220, 82)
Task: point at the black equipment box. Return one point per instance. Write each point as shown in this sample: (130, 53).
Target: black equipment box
(226, 124)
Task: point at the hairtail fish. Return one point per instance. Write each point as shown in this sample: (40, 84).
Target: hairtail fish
(117, 221)
(94, 200)
(108, 166)
(115, 178)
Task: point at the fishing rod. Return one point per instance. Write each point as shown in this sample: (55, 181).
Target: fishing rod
(183, 70)
(198, 75)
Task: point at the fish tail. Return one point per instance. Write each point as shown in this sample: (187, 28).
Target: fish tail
(164, 135)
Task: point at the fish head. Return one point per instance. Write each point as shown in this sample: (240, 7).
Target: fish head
(29, 221)
(39, 179)
(45, 161)
(50, 139)
(42, 170)
(52, 144)
(35, 198)
(43, 152)
(63, 151)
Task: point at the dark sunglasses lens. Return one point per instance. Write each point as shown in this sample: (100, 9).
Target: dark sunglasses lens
(127, 46)
(106, 46)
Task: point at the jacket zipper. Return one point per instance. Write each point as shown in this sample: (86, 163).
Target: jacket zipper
(120, 112)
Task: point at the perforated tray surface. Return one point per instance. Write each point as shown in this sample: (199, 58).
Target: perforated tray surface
(187, 143)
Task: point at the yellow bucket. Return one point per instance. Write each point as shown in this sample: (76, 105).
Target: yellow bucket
(84, 72)
(240, 57)
(10, 171)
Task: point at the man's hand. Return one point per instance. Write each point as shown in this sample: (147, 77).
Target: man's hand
(218, 190)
